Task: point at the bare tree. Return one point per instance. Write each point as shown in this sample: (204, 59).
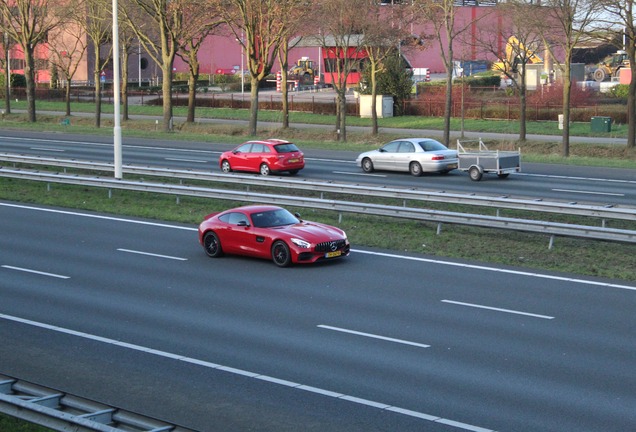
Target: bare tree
(382, 41)
(342, 39)
(67, 53)
(28, 23)
(6, 46)
(158, 25)
(296, 23)
(95, 18)
(199, 22)
(562, 23)
(126, 40)
(620, 14)
(521, 47)
(441, 15)
(259, 26)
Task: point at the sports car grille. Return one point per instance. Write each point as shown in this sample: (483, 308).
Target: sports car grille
(330, 246)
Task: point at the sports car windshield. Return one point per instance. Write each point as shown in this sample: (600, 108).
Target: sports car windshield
(273, 218)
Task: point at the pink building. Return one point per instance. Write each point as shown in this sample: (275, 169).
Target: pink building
(224, 52)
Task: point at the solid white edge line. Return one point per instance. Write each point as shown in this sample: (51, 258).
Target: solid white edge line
(588, 192)
(373, 336)
(187, 160)
(48, 149)
(500, 270)
(35, 272)
(388, 255)
(245, 373)
(498, 309)
(151, 254)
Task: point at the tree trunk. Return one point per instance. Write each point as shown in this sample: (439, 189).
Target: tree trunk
(522, 106)
(192, 90)
(7, 80)
(124, 84)
(342, 135)
(631, 108)
(567, 87)
(283, 59)
(67, 96)
(374, 91)
(285, 96)
(253, 106)
(29, 75)
(448, 107)
(166, 91)
(98, 98)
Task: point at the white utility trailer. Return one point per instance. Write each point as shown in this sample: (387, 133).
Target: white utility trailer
(481, 160)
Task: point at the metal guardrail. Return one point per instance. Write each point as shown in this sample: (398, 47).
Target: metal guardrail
(64, 412)
(527, 225)
(603, 212)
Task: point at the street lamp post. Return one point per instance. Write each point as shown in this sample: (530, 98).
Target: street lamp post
(116, 96)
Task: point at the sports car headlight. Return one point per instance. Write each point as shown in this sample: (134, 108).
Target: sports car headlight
(301, 243)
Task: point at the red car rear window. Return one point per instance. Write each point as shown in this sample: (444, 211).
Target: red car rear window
(286, 148)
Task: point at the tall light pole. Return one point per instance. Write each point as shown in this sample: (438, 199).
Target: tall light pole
(116, 95)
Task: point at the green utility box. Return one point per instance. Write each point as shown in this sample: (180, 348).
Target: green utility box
(601, 124)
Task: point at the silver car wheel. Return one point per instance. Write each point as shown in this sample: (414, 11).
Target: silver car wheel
(367, 165)
(415, 169)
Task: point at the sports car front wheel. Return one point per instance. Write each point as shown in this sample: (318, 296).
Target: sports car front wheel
(212, 245)
(280, 254)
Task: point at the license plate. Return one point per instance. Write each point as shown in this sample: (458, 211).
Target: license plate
(292, 161)
(451, 166)
(333, 254)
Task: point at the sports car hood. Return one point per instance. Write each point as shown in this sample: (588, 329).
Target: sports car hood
(313, 232)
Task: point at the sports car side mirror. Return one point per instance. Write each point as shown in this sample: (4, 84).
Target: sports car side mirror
(243, 223)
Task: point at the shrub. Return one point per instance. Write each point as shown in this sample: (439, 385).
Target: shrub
(620, 91)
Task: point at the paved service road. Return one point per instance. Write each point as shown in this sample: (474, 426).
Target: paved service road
(593, 185)
(133, 313)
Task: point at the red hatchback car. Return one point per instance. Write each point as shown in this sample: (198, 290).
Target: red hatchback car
(272, 155)
(271, 232)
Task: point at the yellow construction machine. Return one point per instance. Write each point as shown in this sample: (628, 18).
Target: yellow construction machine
(609, 68)
(516, 54)
(303, 70)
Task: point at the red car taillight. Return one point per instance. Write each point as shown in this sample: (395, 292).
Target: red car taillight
(437, 157)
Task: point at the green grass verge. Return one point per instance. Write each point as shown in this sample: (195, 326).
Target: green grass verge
(11, 424)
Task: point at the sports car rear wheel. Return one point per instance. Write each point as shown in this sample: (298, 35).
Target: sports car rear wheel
(212, 245)
(280, 254)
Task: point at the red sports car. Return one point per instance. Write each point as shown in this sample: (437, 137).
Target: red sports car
(271, 232)
(266, 156)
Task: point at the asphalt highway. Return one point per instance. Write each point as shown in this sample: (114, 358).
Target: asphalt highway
(589, 185)
(132, 313)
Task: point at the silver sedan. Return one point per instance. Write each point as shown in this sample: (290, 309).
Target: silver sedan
(415, 155)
